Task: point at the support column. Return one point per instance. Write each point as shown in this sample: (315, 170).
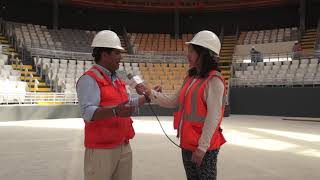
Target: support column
(302, 12)
(55, 20)
(176, 23)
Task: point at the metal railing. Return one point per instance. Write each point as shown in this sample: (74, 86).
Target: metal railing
(273, 57)
(274, 82)
(38, 98)
(164, 53)
(153, 58)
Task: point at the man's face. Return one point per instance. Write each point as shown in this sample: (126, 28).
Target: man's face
(112, 60)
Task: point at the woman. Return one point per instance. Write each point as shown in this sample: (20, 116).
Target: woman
(200, 104)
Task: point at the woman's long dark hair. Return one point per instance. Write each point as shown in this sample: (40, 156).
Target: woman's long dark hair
(207, 62)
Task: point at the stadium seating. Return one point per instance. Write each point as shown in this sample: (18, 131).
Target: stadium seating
(268, 50)
(146, 43)
(10, 83)
(268, 36)
(36, 36)
(286, 73)
(63, 74)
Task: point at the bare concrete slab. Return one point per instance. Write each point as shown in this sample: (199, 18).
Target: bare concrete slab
(259, 147)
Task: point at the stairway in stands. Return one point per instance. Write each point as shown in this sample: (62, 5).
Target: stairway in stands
(308, 40)
(225, 63)
(9, 50)
(123, 44)
(226, 53)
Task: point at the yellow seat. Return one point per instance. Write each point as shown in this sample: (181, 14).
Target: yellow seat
(142, 65)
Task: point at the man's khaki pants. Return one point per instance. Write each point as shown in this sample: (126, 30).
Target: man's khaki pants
(108, 164)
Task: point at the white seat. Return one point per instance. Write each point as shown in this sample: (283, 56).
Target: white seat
(299, 75)
(304, 61)
(312, 69)
(301, 71)
(80, 66)
(54, 65)
(269, 63)
(15, 73)
(62, 71)
(46, 60)
(14, 78)
(80, 71)
(127, 65)
(294, 66)
(310, 74)
(290, 76)
(70, 75)
(292, 71)
(89, 63)
(275, 67)
(63, 61)
(287, 62)
(255, 73)
(55, 61)
(250, 68)
(313, 66)
(238, 74)
(267, 68)
(247, 73)
(72, 71)
(277, 63)
(7, 68)
(282, 71)
(299, 78)
(72, 62)
(295, 62)
(72, 67)
(285, 67)
(70, 80)
(121, 68)
(303, 66)
(274, 71)
(135, 68)
(314, 61)
(80, 62)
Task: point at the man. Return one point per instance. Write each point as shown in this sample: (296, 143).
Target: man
(106, 109)
(296, 50)
(256, 56)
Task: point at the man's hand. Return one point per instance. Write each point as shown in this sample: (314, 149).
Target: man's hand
(141, 89)
(124, 110)
(158, 88)
(197, 156)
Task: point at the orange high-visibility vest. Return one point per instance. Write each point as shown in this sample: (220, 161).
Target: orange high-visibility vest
(113, 131)
(192, 111)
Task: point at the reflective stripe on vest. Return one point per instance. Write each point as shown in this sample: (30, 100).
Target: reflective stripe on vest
(193, 115)
(96, 72)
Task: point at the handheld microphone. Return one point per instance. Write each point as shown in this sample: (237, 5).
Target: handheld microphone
(135, 80)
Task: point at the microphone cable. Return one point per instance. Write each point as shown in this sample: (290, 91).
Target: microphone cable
(152, 110)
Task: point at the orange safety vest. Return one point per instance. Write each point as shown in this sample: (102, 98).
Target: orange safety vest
(192, 111)
(113, 131)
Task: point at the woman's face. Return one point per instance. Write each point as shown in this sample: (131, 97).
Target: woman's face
(192, 57)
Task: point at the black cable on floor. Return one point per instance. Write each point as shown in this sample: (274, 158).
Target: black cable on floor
(162, 127)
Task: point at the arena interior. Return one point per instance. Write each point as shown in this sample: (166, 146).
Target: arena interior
(272, 115)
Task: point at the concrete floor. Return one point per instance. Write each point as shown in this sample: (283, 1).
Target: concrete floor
(258, 148)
